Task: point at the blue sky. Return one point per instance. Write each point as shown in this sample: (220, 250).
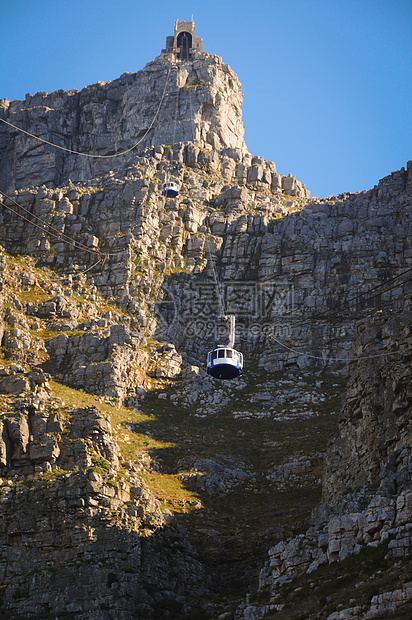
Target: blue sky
(327, 84)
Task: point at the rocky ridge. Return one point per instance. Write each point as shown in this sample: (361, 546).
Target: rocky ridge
(281, 259)
(165, 103)
(130, 304)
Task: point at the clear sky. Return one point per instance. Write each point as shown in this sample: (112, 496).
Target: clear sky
(327, 84)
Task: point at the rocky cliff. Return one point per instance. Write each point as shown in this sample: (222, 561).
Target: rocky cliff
(283, 260)
(364, 520)
(165, 103)
(108, 306)
(81, 532)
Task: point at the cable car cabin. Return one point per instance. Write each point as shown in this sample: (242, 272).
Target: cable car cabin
(224, 363)
(170, 189)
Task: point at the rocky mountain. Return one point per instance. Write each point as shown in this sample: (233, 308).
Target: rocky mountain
(165, 103)
(132, 483)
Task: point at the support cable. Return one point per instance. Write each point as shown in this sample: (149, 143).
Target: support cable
(358, 298)
(52, 231)
(173, 141)
(192, 118)
(331, 359)
(216, 278)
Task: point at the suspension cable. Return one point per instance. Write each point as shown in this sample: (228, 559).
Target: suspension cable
(215, 277)
(364, 297)
(331, 359)
(192, 115)
(356, 298)
(52, 231)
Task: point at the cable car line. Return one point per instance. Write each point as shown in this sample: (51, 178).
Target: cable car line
(327, 315)
(377, 286)
(215, 278)
(45, 227)
(309, 320)
(333, 359)
(62, 148)
(101, 260)
(58, 236)
(52, 231)
(170, 189)
(358, 299)
(224, 362)
(192, 116)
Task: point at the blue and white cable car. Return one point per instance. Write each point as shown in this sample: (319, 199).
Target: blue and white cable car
(225, 362)
(170, 189)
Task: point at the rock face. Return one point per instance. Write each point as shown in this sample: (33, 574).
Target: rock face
(282, 260)
(112, 288)
(367, 485)
(198, 100)
(80, 531)
(86, 345)
(376, 413)
(75, 536)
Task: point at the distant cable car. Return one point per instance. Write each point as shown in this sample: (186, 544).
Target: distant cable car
(225, 362)
(170, 189)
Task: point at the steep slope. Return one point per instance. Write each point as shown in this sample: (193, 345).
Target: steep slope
(283, 260)
(106, 488)
(110, 289)
(81, 532)
(360, 536)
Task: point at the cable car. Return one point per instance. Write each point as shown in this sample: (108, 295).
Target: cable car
(170, 189)
(225, 362)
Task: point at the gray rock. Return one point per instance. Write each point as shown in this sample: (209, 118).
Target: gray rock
(14, 384)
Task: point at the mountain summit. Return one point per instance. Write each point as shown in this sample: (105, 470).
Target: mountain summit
(132, 483)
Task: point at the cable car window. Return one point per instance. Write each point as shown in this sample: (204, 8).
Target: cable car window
(221, 353)
(229, 353)
(214, 355)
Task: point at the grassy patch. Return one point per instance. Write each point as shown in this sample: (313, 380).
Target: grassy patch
(233, 529)
(166, 487)
(171, 493)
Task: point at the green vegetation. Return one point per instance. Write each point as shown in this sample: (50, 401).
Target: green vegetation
(197, 85)
(102, 464)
